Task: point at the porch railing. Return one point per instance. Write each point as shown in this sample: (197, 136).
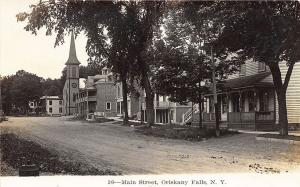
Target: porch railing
(264, 116)
(237, 117)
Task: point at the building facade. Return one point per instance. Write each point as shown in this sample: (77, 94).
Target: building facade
(71, 87)
(98, 97)
(132, 103)
(248, 100)
(50, 105)
(165, 111)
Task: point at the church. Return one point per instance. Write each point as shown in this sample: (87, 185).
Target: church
(71, 87)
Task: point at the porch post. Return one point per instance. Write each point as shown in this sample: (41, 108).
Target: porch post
(87, 102)
(227, 94)
(155, 115)
(255, 109)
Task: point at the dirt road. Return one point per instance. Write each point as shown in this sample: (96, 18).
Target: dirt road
(116, 147)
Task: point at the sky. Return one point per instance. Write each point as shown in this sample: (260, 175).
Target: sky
(21, 50)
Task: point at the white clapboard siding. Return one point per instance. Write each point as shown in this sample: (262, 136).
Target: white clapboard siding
(292, 95)
(251, 67)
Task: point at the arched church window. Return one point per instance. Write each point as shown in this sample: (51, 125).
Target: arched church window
(73, 71)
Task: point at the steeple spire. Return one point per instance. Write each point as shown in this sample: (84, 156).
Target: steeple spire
(72, 54)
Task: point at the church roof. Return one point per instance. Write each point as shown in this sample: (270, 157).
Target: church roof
(72, 60)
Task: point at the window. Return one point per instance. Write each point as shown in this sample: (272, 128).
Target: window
(50, 110)
(60, 102)
(263, 101)
(252, 103)
(261, 66)
(73, 71)
(164, 98)
(108, 106)
(224, 104)
(74, 97)
(60, 109)
(119, 91)
(50, 102)
(31, 104)
(211, 105)
(236, 102)
(105, 72)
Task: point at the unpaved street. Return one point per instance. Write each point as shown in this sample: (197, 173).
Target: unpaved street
(116, 147)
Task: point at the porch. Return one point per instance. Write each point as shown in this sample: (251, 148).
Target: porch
(243, 103)
(243, 120)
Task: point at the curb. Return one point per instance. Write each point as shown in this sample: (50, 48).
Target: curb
(291, 142)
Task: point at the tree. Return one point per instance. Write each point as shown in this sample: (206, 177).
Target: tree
(267, 32)
(185, 64)
(51, 87)
(118, 31)
(206, 31)
(6, 97)
(24, 88)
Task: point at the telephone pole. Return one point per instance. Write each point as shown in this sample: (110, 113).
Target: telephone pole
(215, 94)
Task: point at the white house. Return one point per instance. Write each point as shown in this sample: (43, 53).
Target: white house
(51, 105)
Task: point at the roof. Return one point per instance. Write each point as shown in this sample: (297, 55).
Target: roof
(50, 97)
(247, 81)
(72, 60)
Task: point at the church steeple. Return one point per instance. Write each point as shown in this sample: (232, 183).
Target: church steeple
(72, 53)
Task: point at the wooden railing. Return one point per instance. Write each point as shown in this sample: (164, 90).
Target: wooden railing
(236, 117)
(264, 116)
(209, 117)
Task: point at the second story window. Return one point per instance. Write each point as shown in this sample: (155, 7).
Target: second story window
(50, 102)
(261, 67)
(60, 102)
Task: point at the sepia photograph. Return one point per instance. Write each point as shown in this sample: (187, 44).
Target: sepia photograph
(149, 93)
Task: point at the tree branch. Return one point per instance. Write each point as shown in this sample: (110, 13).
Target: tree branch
(288, 75)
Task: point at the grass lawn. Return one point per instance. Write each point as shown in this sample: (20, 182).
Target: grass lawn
(181, 132)
(16, 152)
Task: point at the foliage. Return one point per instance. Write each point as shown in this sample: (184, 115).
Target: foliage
(268, 32)
(24, 88)
(118, 31)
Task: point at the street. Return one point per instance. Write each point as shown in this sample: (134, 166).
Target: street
(112, 146)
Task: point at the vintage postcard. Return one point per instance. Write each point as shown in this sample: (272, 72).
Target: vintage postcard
(149, 93)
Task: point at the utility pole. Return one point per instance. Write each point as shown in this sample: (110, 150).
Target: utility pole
(215, 94)
(1, 113)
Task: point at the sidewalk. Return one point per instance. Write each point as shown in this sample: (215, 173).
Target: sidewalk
(295, 133)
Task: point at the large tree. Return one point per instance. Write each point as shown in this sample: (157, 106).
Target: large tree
(267, 32)
(118, 31)
(185, 58)
(24, 87)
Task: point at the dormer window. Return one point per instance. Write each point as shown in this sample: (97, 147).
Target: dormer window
(261, 66)
(105, 72)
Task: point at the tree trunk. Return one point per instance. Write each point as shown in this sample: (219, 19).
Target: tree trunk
(125, 104)
(149, 102)
(149, 98)
(283, 120)
(200, 110)
(281, 95)
(217, 120)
